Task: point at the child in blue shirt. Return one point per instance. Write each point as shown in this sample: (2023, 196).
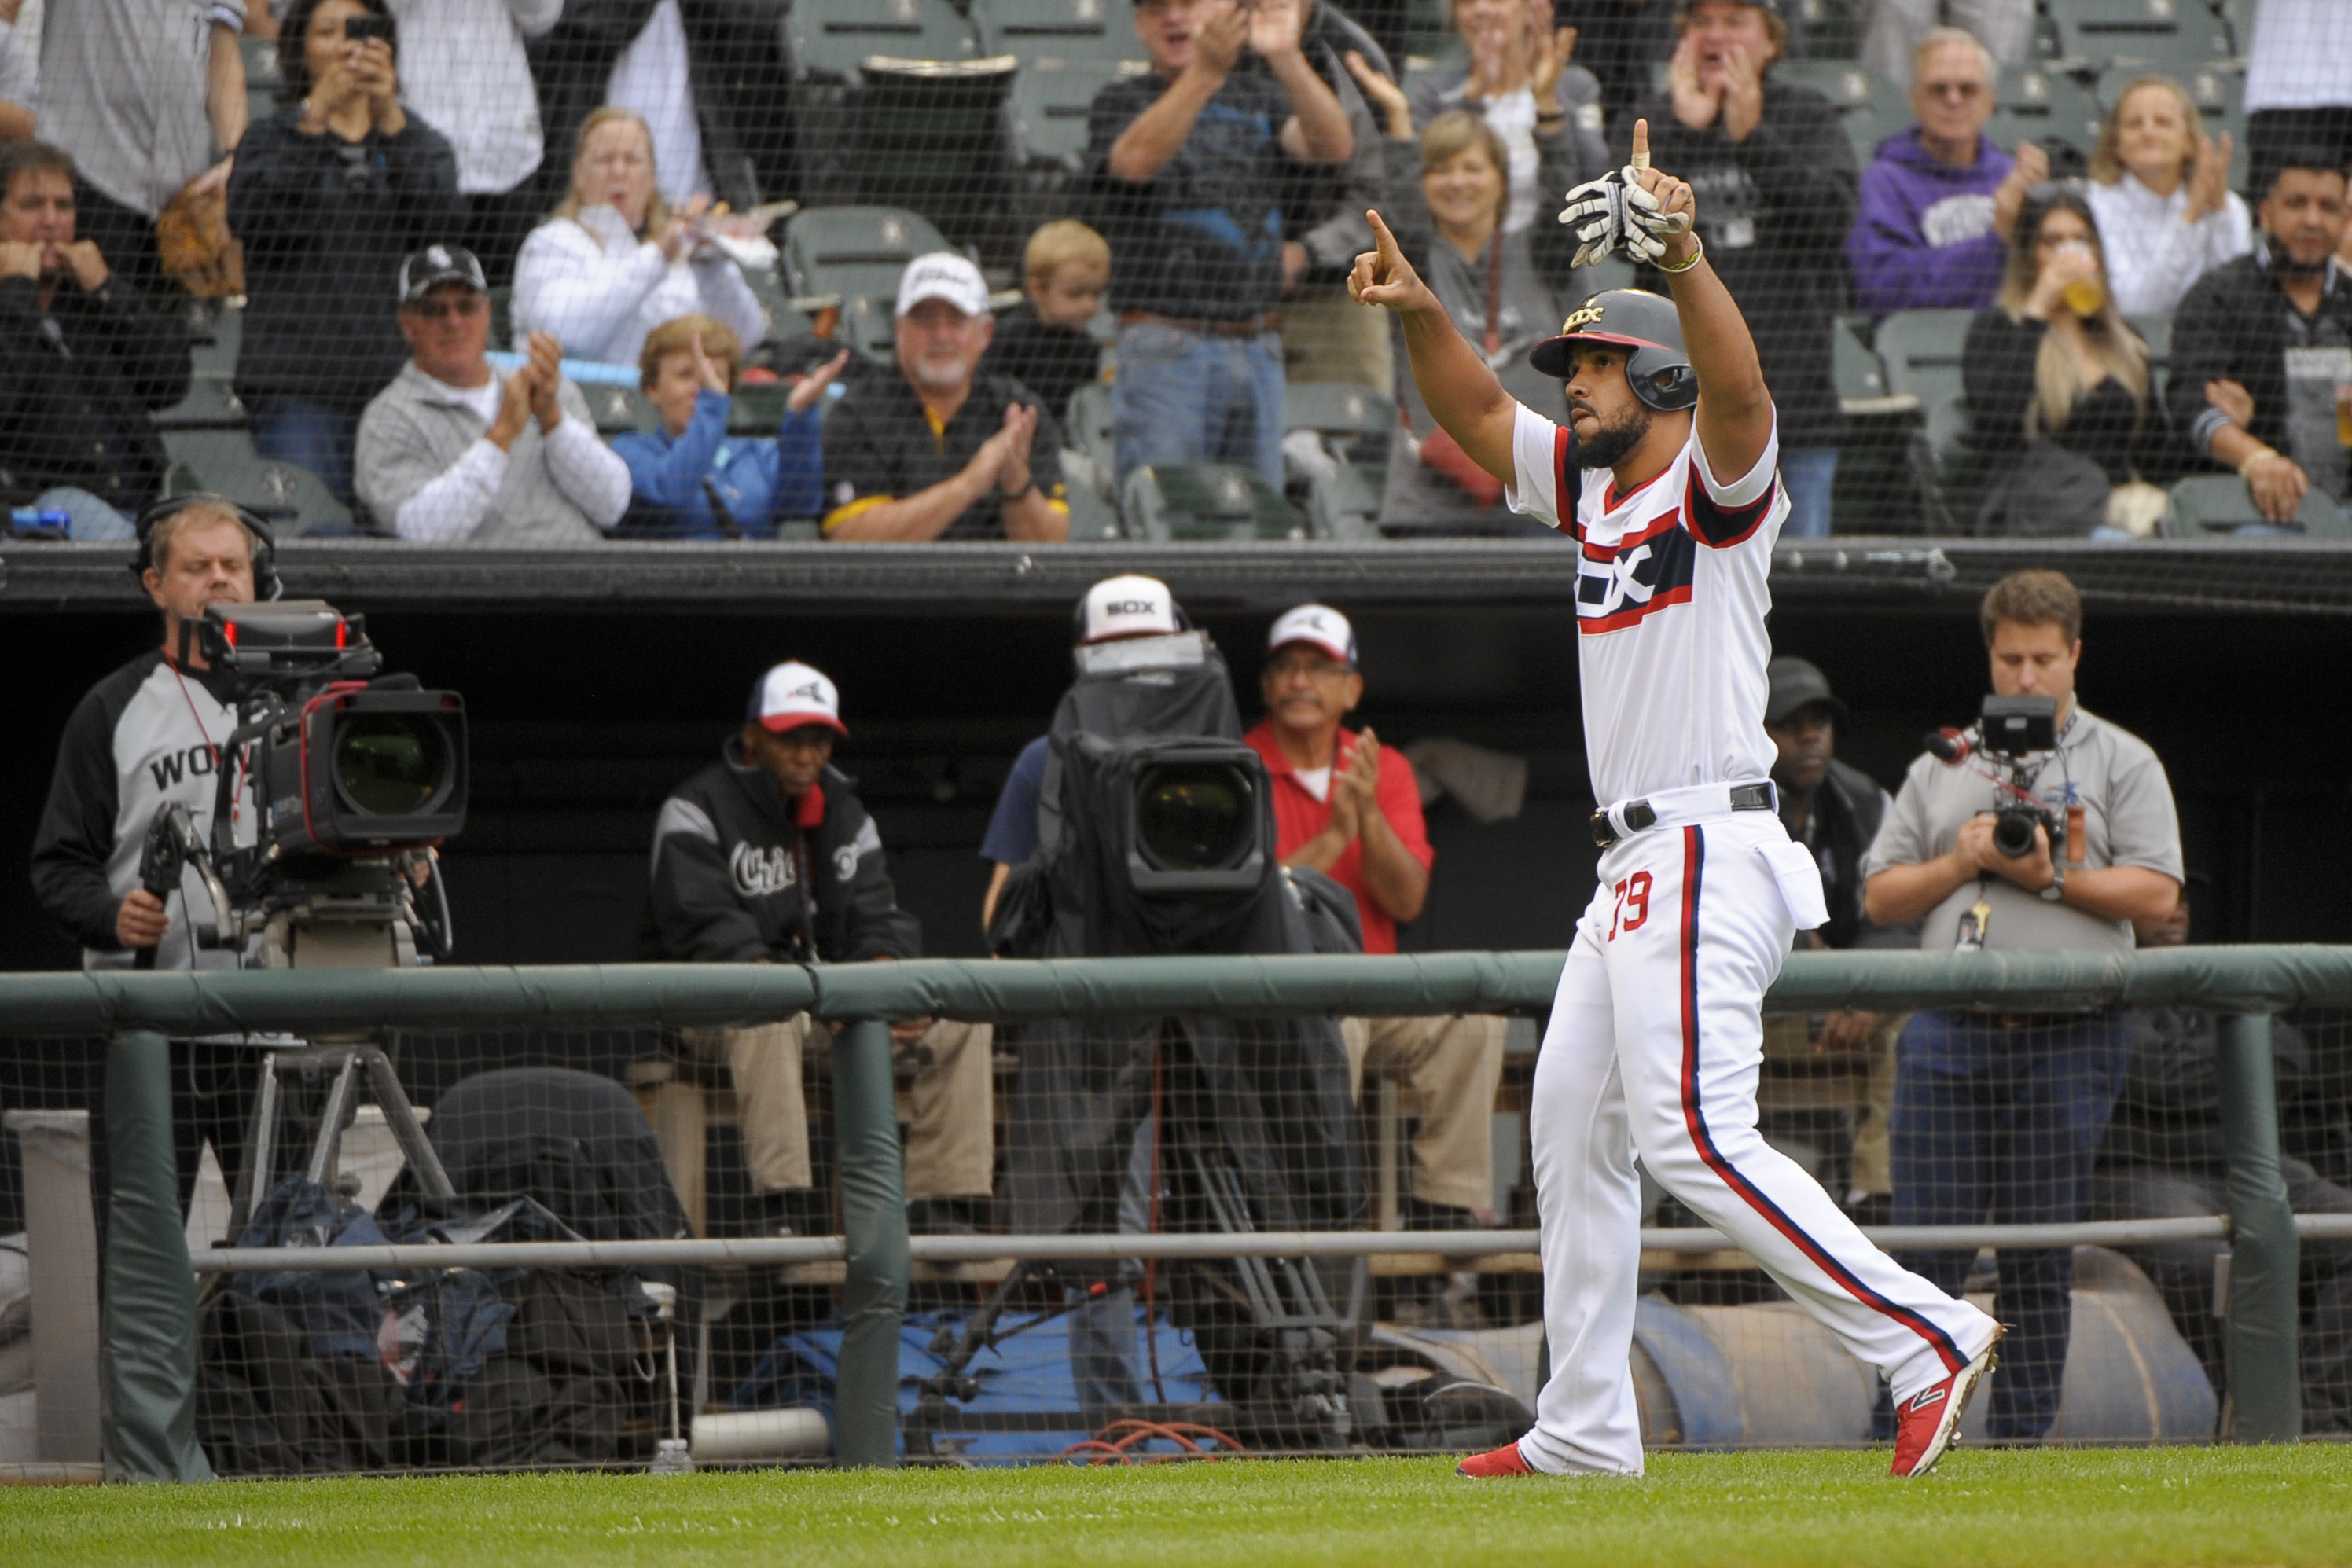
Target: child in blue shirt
(690, 479)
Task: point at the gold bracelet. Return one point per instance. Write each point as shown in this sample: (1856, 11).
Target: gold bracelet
(2255, 457)
(1699, 250)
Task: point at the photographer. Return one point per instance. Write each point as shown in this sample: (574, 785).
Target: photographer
(148, 733)
(1997, 1115)
(767, 857)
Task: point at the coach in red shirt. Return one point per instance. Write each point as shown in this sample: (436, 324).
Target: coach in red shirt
(1345, 807)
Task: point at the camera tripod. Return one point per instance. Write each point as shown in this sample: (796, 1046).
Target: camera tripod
(1267, 1328)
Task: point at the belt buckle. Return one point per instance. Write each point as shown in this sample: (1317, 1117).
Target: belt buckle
(1604, 831)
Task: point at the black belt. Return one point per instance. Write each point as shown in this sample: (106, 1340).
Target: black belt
(1757, 797)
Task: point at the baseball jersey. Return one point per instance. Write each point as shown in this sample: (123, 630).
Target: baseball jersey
(1671, 597)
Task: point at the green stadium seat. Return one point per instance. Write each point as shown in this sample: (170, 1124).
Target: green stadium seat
(262, 77)
(1208, 501)
(216, 330)
(1092, 518)
(855, 251)
(1921, 351)
(1346, 504)
(2037, 104)
(1833, 29)
(1861, 377)
(2161, 33)
(292, 500)
(618, 410)
(211, 404)
(1872, 108)
(2213, 504)
(833, 39)
(1070, 30)
(1356, 422)
(1052, 96)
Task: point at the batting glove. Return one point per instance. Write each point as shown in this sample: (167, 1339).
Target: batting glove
(1647, 228)
(1596, 210)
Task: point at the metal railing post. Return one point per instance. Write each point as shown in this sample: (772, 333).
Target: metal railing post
(2265, 1255)
(874, 1223)
(147, 1334)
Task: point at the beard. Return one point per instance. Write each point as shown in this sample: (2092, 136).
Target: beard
(1617, 437)
(2285, 264)
(943, 374)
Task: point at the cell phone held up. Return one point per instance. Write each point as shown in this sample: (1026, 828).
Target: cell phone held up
(360, 29)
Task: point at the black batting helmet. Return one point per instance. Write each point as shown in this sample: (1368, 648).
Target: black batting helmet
(1660, 370)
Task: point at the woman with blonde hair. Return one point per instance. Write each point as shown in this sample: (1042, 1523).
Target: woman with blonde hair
(615, 262)
(2058, 385)
(2160, 191)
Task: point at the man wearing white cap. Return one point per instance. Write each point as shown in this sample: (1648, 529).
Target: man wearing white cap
(1344, 806)
(1113, 610)
(767, 857)
(936, 448)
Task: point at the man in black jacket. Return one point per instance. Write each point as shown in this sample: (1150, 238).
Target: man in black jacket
(2262, 347)
(1833, 810)
(1777, 195)
(767, 857)
(81, 363)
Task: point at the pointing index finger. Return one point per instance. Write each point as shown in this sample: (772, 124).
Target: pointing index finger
(1387, 241)
(1640, 159)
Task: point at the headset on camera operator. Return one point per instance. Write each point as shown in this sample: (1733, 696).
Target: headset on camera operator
(2056, 838)
(149, 734)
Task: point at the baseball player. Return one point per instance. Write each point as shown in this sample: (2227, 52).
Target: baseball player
(1665, 478)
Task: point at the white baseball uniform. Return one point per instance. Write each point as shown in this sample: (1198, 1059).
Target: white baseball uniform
(1656, 1034)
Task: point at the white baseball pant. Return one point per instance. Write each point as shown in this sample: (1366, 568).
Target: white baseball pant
(1656, 1043)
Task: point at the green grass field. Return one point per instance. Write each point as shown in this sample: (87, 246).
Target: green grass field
(2162, 1506)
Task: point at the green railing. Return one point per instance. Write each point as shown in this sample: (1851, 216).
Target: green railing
(149, 1325)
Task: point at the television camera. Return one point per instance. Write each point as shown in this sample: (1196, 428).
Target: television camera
(2010, 731)
(331, 795)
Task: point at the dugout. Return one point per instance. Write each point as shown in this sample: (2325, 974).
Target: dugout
(596, 681)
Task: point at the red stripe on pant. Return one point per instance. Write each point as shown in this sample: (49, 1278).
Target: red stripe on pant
(1695, 1118)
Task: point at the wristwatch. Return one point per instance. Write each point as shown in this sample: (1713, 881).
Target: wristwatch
(2057, 888)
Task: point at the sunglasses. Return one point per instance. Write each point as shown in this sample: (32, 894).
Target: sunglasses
(1963, 90)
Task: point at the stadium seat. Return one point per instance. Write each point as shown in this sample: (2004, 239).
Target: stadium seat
(1346, 504)
(935, 136)
(211, 404)
(1058, 30)
(2213, 504)
(216, 330)
(1833, 29)
(262, 78)
(2161, 33)
(1921, 351)
(1872, 108)
(618, 410)
(1357, 418)
(2037, 104)
(1204, 501)
(1092, 517)
(854, 252)
(833, 39)
(1086, 426)
(1051, 98)
(1861, 378)
(292, 500)
(2156, 332)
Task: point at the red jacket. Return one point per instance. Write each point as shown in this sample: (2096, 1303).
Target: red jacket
(1298, 816)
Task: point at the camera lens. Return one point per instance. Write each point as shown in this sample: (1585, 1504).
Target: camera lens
(392, 763)
(1194, 816)
(2012, 832)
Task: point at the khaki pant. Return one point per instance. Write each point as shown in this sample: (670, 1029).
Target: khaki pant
(1327, 337)
(1452, 1066)
(1873, 1168)
(950, 1136)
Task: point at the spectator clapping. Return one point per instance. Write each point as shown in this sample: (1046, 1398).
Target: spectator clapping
(690, 479)
(2161, 190)
(616, 262)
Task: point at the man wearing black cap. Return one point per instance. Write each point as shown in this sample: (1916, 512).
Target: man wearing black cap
(455, 451)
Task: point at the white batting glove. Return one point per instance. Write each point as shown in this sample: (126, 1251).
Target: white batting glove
(1596, 210)
(1647, 228)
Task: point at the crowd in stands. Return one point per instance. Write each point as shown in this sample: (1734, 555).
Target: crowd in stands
(591, 174)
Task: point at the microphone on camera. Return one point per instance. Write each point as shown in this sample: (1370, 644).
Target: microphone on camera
(1948, 746)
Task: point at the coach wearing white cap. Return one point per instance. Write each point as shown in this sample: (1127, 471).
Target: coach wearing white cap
(933, 447)
(768, 857)
(1348, 809)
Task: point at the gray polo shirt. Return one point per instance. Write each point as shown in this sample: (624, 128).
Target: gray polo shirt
(2128, 820)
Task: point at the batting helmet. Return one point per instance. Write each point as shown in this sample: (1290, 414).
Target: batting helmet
(1660, 370)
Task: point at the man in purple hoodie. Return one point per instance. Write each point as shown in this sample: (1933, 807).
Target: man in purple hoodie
(1940, 200)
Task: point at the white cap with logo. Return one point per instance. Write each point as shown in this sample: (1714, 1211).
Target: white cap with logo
(1319, 625)
(1130, 606)
(792, 695)
(944, 275)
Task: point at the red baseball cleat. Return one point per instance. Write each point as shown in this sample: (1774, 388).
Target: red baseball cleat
(1506, 1460)
(1930, 1421)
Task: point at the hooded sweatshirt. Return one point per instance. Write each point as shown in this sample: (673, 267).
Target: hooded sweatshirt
(1925, 240)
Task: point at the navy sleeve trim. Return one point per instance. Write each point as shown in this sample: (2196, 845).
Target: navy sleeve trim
(1719, 526)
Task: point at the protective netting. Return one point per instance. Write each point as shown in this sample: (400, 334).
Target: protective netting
(657, 1135)
(1162, 202)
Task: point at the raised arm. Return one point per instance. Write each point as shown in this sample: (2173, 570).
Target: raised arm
(1462, 392)
(1734, 408)
(1158, 134)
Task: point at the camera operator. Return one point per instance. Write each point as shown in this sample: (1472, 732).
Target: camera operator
(1350, 809)
(148, 733)
(1997, 1115)
(768, 857)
